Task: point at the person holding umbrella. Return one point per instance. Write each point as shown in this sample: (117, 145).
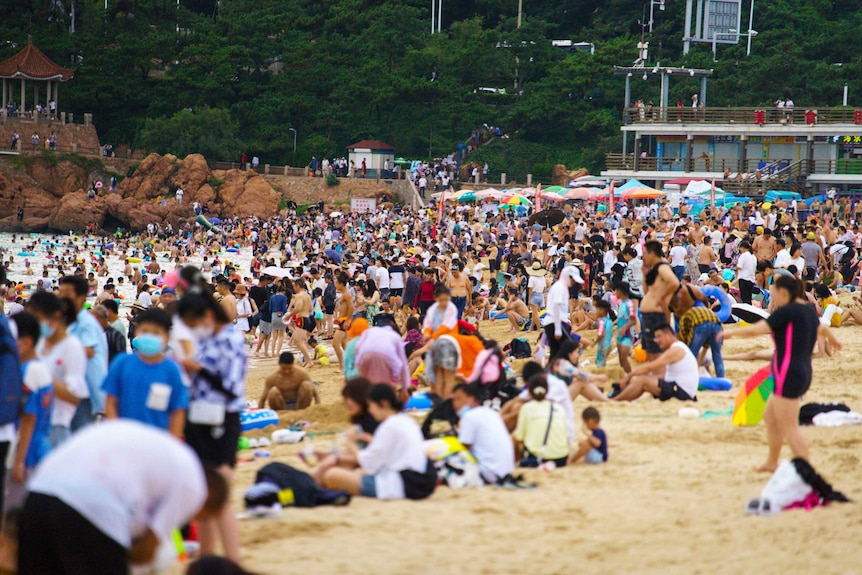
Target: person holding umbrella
(794, 326)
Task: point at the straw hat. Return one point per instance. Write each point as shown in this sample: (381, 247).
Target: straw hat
(536, 269)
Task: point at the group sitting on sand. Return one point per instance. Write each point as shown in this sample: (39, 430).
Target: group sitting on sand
(398, 299)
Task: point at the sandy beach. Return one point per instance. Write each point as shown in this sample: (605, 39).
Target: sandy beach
(670, 500)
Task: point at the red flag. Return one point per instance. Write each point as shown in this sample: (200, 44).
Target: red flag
(538, 197)
(611, 199)
(712, 199)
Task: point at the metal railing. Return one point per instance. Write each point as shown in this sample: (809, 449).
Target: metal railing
(33, 117)
(752, 115)
(697, 164)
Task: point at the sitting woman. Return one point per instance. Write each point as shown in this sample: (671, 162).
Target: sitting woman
(394, 464)
(542, 433)
(355, 394)
(565, 366)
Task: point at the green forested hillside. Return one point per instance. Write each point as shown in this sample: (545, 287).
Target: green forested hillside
(235, 75)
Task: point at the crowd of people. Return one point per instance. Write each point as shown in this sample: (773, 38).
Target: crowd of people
(398, 300)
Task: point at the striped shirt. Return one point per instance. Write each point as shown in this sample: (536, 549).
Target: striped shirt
(693, 318)
(222, 355)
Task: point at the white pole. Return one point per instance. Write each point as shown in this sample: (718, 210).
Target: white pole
(440, 17)
(433, 13)
(750, 27)
(845, 94)
(520, 11)
(651, 7)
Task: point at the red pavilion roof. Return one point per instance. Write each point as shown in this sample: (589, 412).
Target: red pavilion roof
(31, 64)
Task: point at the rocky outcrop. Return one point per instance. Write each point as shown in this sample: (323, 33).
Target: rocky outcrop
(560, 176)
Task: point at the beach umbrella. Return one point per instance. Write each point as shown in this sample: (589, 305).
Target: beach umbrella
(276, 272)
(579, 194)
(489, 193)
(546, 197)
(467, 197)
(547, 218)
(333, 255)
(751, 399)
(214, 221)
(642, 193)
(336, 214)
(516, 200)
(559, 190)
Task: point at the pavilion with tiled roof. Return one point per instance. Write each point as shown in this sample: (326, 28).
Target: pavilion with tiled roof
(33, 66)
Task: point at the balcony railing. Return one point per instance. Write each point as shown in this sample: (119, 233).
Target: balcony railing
(698, 164)
(750, 116)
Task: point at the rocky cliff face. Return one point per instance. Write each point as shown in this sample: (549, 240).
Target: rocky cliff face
(54, 194)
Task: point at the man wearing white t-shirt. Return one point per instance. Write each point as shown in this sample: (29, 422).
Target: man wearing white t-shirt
(746, 271)
(482, 431)
(109, 497)
(677, 258)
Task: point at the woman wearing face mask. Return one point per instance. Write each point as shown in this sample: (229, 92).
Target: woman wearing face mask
(394, 464)
(65, 357)
(217, 397)
(146, 386)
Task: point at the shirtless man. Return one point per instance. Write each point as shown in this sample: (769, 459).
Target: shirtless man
(228, 301)
(706, 257)
(764, 246)
(660, 283)
(461, 288)
(290, 387)
(516, 312)
(343, 315)
(299, 312)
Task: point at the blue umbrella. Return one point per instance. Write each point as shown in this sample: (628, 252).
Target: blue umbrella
(333, 255)
(215, 221)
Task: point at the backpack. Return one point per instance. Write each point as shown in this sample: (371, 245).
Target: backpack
(11, 378)
(518, 349)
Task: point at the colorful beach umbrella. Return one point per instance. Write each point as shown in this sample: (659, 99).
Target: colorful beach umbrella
(559, 190)
(579, 194)
(751, 399)
(516, 200)
(467, 197)
(642, 193)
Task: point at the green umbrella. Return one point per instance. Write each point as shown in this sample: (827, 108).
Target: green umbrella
(559, 190)
(467, 197)
(402, 161)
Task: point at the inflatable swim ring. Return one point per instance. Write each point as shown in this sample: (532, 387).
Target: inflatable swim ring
(232, 250)
(714, 384)
(133, 260)
(109, 246)
(257, 418)
(723, 298)
(25, 254)
(418, 400)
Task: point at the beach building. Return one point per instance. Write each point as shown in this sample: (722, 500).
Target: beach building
(374, 152)
(803, 148)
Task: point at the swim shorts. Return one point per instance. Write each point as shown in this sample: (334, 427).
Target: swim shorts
(624, 341)
(649, 321)
(368, 486)
(594, 457)
(670, 390)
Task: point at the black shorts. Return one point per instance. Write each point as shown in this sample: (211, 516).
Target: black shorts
(703, 268)
(649, 321)
(670, 390)
(54, 538)
(396, 292)
(215, 446)
(329, 310)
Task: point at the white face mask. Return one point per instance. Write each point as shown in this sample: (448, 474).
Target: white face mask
(202, 332)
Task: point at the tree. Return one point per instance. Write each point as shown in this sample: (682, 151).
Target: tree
(207, 131)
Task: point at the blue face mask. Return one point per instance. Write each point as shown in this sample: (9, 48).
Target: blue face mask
(46, 329)
(148, 344)
(464, 410)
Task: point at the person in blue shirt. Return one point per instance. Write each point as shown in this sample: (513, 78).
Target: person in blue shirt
(38, 402)
(604, 332)
(87, 329)
(593, 449)
(145, 385)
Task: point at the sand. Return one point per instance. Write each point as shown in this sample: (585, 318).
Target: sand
(670, 500)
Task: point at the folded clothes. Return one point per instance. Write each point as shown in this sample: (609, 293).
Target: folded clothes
(837, 418)
(809, 410)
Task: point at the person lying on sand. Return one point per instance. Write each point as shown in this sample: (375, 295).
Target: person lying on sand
(289, 387)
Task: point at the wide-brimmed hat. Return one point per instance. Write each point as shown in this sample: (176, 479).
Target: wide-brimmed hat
(536, 269)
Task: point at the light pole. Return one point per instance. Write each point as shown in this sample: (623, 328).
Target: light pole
(651, 11)
(520, 11)
(294, 139)
(732, 34)
(750, 31)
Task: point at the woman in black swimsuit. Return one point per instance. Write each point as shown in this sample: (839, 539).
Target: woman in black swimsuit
(794, 326)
